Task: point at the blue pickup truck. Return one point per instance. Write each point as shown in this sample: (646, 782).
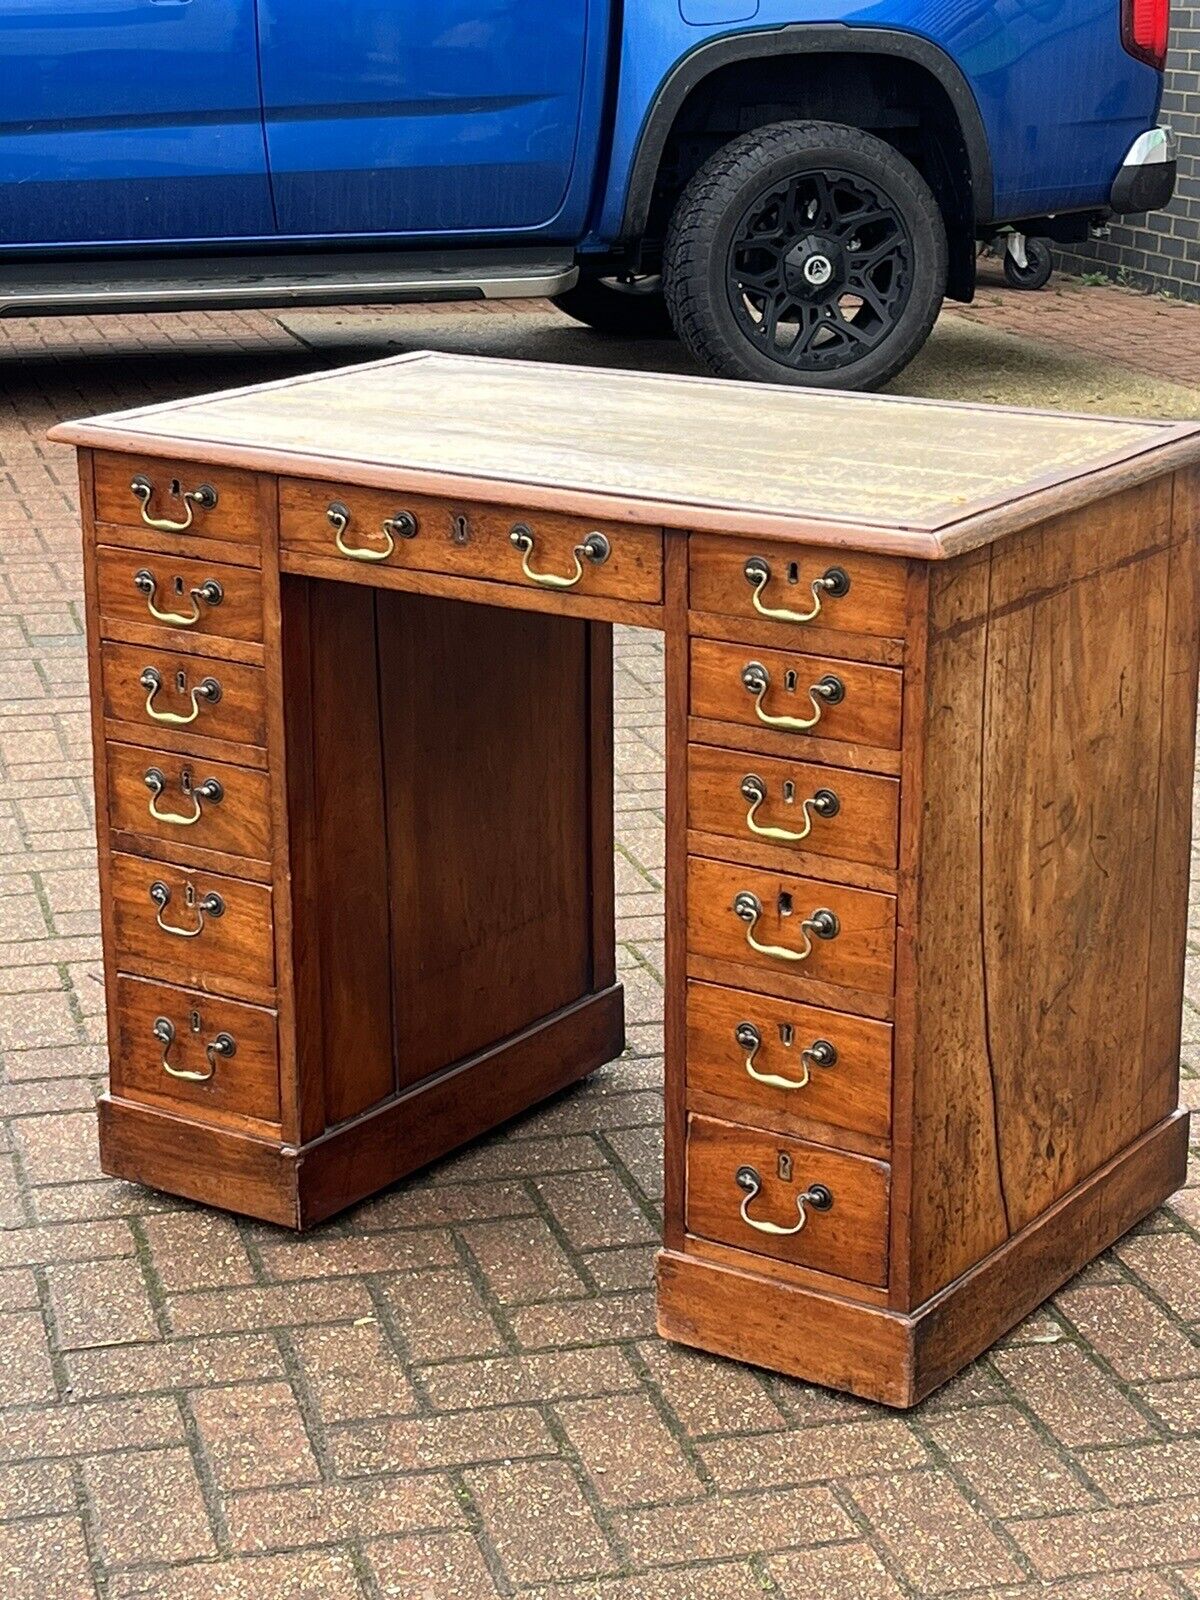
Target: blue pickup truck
(793, 188)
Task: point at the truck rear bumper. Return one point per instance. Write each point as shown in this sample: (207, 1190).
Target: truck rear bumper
(1146, 179)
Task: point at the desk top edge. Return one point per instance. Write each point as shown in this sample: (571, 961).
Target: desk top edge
(1142, 449)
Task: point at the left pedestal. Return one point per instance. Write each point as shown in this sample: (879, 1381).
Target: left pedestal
(355, 854)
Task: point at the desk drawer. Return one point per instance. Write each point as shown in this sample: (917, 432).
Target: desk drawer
(789, 693)
(795, 805)
(790, 1060)
(182, 594)
(189, 800)
(797, 586)
(562, 554)
(153, 689)
(741, 1182)
(176, 499)
(794, 927)
(195, 928)
(229, 1052)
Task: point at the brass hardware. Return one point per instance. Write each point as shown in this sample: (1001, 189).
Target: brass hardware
(209, 905)
(142, 489)
(402, 526)
(210, 790)
(820, 1054)
(834, 582)
(207, 689)
(223, 1046)
(211, 593)
(460, 530)
(339, 518)
(595, 548)
(827, 691)
(824, 924)
(825, 803)
(818, 1198)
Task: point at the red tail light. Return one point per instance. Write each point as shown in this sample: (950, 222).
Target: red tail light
(1145, 25)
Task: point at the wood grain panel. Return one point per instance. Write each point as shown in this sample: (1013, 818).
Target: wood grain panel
(237, 823)
(849, 1239)
(869, 597)
(238, 716)
(178, 582)
(868, 713)
(487, 822)
(862, 828)
(243, 1087)
(232, 951)
(234, 517)
(860, 956)
(854, 1092)
(470, 539)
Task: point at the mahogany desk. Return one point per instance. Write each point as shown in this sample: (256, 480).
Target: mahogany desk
(931, 687)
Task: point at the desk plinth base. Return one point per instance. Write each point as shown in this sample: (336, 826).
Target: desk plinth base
(296, 1187)
(898, 1358)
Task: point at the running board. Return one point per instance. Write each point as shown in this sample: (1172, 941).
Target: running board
(55, 288)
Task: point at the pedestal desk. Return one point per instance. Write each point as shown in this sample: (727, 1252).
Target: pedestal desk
(931, 687)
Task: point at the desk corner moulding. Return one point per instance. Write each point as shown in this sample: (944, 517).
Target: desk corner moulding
(930, 719)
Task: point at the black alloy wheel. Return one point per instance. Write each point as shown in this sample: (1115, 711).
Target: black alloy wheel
(806, 253)
(820, 269)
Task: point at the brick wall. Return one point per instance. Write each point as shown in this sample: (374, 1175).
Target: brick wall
(1161, 251)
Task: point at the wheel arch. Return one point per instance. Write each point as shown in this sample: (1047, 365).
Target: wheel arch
(799, 40)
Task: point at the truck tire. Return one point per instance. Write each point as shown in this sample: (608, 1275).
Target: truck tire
(630, 308)
(805, 253)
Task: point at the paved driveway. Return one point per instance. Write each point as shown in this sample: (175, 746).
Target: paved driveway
(456, 1391)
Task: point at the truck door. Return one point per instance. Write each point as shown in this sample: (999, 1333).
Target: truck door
(130, 120)
(421, 116)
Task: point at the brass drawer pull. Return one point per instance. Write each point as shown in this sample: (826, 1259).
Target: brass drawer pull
(208, 905)
(208, 689)
(834, 582)
(818, 1198)
(824, 803)
(210, 790)
(402, 525)
(820, 1053)
(211, 593)
(595, 548)
(824, 924)
(827, 691)
(221, 1047)
(205, 497)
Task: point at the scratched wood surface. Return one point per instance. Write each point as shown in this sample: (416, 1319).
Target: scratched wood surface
(737, 450)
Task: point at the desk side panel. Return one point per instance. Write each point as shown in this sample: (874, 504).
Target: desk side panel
(1044, 866)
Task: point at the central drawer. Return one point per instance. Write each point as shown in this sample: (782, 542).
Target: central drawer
(786, 1198)
(499, 544)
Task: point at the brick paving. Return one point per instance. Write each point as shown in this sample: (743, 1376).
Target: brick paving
(455, 1392)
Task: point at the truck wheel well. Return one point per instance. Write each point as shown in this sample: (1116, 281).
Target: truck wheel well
(898, 100)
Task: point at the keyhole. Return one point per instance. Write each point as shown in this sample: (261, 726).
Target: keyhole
(789, 792)
(785, 904)
(176, 487)
(786, 1034)
(194, 1021)
(793, 572)
(178, 586)
(181, 681)
(784, 1166)
(185, 780)
(460, 530)
(789, 680)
